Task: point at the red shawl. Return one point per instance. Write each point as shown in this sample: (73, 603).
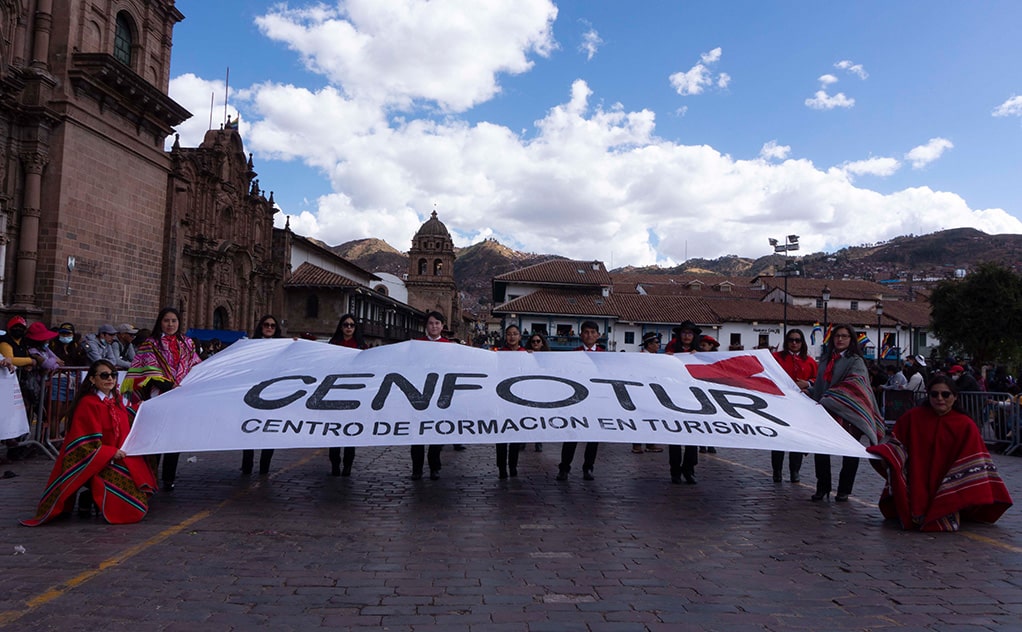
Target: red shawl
(939, 472)
(120, 488)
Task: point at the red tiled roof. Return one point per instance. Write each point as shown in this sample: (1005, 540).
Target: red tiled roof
(309, 275)
(560, 303)
(852, 289)
(663, 309)
(560, 271)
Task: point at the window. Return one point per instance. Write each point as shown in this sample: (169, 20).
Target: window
(438, 267)
(855, 305)
(629, 337)
(540, 327)
(422, 266)
(764, 341)
(736, 340)
(123, 39)
(312, 306)
(819, 303)
(220, 318)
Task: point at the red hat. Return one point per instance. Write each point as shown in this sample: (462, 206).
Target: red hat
(956, 369)
(709, 339)
(16, 320)
(40, 332)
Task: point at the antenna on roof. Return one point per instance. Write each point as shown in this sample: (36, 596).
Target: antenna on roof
(211, 95)
(227, 91)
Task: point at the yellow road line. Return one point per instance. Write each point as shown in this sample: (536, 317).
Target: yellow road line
(63, 588)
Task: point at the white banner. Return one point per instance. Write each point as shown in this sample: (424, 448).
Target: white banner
(13, 420)
(300, 394)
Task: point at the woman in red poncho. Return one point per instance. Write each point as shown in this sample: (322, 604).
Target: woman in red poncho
(91, 456)
(938, 469)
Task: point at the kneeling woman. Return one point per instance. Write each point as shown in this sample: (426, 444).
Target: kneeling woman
(937, 467)
(91, 456)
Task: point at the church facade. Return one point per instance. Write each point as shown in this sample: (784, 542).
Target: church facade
(430, 282)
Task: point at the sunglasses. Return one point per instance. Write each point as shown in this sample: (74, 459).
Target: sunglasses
(106, 375)
(270, 325)
(798, 340)
(347, 324)
(942, 394)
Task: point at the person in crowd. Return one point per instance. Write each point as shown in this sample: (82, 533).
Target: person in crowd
(938, 469)
(348, 335)
(67, 347)
(116, 485)
(537, 342)
(590, 333)
(161, 362)
(435, 322)
(14, 349)
(896, 380)
(267, 327)
(37, 339)
(916, 378)
(683, 459)
(842, 387)
(650, 344)
(706, 344)
(100, 345)
(1000, 382)
(965, 382)
(123, 344)
(507, 453)
(801, 368)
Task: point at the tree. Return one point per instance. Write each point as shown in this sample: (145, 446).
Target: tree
(981, 315)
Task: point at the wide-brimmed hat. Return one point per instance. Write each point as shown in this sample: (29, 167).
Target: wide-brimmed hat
(40, 332)
(688, 325)
(920, 360)
(648, 337)
(709, 339)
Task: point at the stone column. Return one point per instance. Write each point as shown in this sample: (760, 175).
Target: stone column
(28, 232)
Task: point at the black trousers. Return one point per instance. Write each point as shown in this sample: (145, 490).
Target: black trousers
(682, 464)
(420, 453)
(248, 456)
(349, 457)
(507, 455)
(568, 455)
(794, 461)
(170, 460)
(846, 479)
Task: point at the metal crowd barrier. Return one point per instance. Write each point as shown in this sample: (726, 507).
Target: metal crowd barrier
(997, 415)
(47, 417)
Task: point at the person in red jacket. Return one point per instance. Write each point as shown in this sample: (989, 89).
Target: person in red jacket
(507, 453)
(590, 333)
(434, 333)
(802, 368)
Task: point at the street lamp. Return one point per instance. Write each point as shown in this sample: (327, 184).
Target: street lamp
(826, 299)
(790, 243)
(880, 337)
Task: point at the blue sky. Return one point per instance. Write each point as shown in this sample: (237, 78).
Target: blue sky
(633, 133)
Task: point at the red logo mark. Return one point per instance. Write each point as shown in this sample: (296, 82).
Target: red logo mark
(740, 372)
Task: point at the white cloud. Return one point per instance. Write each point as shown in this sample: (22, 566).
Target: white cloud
(872, 166)
(925, 154)
(194, 94)
(772, 151)
(591, 41)
(699, 77)
(823, 101)
(855, 69)
(1011, 107)
(827, 79)
(401, 52)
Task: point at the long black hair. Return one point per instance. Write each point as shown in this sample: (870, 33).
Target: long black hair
(803, 350)
(258, 333)
(853, 346)
(338, 336)
(950, 384)
(157, 332)
(87, 388)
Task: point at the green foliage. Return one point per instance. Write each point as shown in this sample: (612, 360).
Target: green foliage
(981, 315)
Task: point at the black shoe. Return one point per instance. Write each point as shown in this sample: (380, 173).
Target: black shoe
(562, 475)
(795, 478)
(690, 478)
(434, 475)
(85, 503)
(702, 450)
(168, 486)
(346, 471)
(841, 498)
(818, 496)
(502, 473)
(676, 479)
(335, 469)
(458, 447)
(711, 450)
(417, 475)
(587, 475)
(513, 472)
(777, 476)
(246, 471)
(539, 447)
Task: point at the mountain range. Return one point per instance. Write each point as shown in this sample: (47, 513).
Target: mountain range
(919, 258)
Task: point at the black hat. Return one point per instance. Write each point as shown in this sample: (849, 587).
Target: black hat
(649, 337)
(688, 325)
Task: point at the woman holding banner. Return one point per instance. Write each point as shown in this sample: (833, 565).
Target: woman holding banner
(507, 453)
(117, 485)
(267, 327)
(346, 335)
(435, 322)
(160, 363)
(842, 387)
(937, 467)
(801, 368)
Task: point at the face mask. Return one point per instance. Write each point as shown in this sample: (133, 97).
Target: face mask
(66, 339)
